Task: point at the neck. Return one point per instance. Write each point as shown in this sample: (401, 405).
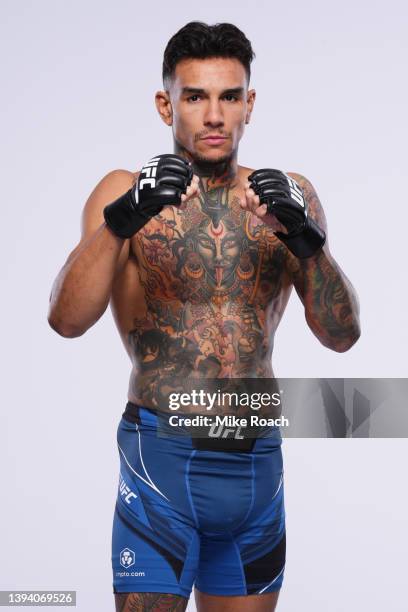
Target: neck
(220, 173)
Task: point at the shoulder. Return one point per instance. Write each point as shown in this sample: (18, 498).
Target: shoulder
(301, 180)
(109, 188)
(307, 187)
(116, 179)
(305, 184)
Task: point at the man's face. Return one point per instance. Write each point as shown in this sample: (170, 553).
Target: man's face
(209, 98)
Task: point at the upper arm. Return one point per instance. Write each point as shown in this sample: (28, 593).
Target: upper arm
(109, 188)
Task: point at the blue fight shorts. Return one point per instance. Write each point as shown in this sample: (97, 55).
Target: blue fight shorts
(188, 516)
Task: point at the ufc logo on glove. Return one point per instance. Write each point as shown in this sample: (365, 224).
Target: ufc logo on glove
(149, 170)
(295, 191)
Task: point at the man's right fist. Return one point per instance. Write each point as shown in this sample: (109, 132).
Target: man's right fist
(161, 181)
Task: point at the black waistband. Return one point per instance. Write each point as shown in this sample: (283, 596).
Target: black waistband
(132, 414)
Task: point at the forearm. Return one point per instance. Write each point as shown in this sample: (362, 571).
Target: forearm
(82, 289)
(330, 301)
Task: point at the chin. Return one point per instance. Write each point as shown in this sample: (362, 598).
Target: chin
(218, 157)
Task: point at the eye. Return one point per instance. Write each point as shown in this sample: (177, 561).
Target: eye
(231, 97)
(190, 98)
(205, 242)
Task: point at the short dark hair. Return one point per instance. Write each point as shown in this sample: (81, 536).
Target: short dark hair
(200, 40)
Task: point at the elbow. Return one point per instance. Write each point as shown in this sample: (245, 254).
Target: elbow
(63, 329)
(346, 343)
(339, 339)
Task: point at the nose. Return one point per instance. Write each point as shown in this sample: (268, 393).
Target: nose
(213, 116)
(218, 252)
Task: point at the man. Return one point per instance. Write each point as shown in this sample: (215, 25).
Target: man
(197, 256)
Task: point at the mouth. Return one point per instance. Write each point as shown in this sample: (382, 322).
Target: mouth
(214, 140)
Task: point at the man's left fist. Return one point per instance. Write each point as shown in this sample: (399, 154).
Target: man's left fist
(285, 200)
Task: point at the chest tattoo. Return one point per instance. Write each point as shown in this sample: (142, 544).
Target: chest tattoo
(209, 273)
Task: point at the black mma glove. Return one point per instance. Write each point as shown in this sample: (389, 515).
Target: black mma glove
(161, 181)
(284, 199)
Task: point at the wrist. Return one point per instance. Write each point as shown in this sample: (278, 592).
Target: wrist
(306, 241)
(122, 217)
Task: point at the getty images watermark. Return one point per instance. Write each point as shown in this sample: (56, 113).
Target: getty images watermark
(312, 407)
(210, 400)
(204, 399)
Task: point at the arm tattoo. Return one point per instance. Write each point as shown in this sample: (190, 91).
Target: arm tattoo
(331, 303)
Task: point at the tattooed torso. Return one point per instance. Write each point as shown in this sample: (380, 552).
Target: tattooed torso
(202, 293)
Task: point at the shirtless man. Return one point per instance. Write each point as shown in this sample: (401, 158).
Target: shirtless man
(193, 255)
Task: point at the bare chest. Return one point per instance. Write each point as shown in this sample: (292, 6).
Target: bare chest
(211, 251)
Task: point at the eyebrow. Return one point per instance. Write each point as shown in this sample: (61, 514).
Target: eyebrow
(197, 90)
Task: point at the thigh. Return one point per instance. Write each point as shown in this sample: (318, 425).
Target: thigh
(139, 602)
(155, 543)
(238, 603)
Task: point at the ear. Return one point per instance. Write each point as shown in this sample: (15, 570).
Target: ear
(163, 105)
(251, 95)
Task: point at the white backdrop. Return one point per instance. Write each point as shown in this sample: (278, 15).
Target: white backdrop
(78, 80)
